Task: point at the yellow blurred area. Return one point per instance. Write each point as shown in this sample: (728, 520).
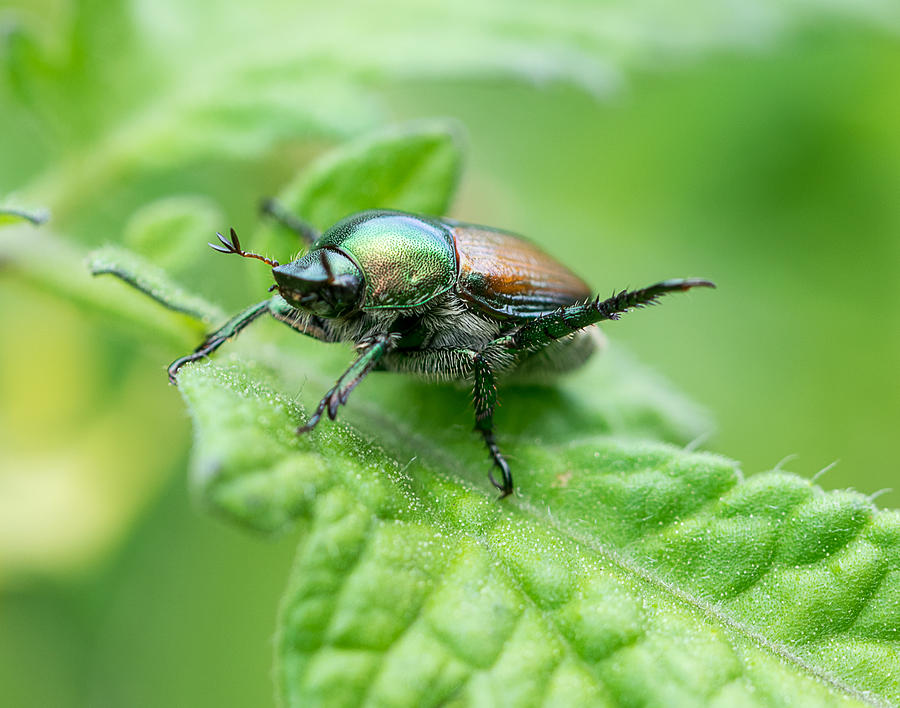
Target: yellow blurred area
(78, 457)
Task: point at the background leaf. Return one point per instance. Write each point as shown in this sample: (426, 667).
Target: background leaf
(287, 71)
(173, 232)
(41, 259)
(412, 168)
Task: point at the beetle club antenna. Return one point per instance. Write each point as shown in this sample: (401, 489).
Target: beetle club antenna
(235, 247)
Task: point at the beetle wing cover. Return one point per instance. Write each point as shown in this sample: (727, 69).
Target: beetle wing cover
(508, 276)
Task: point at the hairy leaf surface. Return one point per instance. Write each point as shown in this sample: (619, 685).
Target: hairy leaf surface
(621, 572)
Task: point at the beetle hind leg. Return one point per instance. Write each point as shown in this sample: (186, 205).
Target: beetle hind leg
(550, 327)
(484, 395)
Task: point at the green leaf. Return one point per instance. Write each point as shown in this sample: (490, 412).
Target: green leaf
(622, 572)
(625, 570)
(412, 167)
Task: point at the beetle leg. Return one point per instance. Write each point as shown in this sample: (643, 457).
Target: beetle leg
(275, 306)
(216, 339)
(545, 329)
(281, 214)
(484, 395)
(372, 352)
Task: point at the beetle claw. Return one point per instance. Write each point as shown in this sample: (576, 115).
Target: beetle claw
(334, 402)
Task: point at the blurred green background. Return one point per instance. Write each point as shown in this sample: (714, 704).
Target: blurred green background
(758, 146)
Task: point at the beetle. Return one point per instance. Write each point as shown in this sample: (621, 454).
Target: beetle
(434, 297)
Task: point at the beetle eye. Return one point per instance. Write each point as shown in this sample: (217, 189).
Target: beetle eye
(324, 282)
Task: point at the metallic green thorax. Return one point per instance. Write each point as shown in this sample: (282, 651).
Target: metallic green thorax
(406, 260)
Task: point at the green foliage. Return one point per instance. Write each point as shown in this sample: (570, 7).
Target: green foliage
(625, 570)
(43, 260)
(173, 231)
(415, 168)
(116, 91)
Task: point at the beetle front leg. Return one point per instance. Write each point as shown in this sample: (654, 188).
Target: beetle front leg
(372, 352)
(216, 339)
(275, 306)
(484, 395)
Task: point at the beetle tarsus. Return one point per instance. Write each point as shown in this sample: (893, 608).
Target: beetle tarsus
(543, 330)
(484, 396)
(618, 304)
(174, 367)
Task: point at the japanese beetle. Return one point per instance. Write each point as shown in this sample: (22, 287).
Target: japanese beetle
(436, 298)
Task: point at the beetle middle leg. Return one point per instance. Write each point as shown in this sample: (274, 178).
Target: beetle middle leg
(371, 353)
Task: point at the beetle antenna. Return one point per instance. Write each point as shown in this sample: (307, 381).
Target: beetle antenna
(326, 266)
(235, 247)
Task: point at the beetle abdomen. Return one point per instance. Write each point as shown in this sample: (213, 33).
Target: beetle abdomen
(507, 276)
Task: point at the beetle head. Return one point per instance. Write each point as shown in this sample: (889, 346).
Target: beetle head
(324, 282)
